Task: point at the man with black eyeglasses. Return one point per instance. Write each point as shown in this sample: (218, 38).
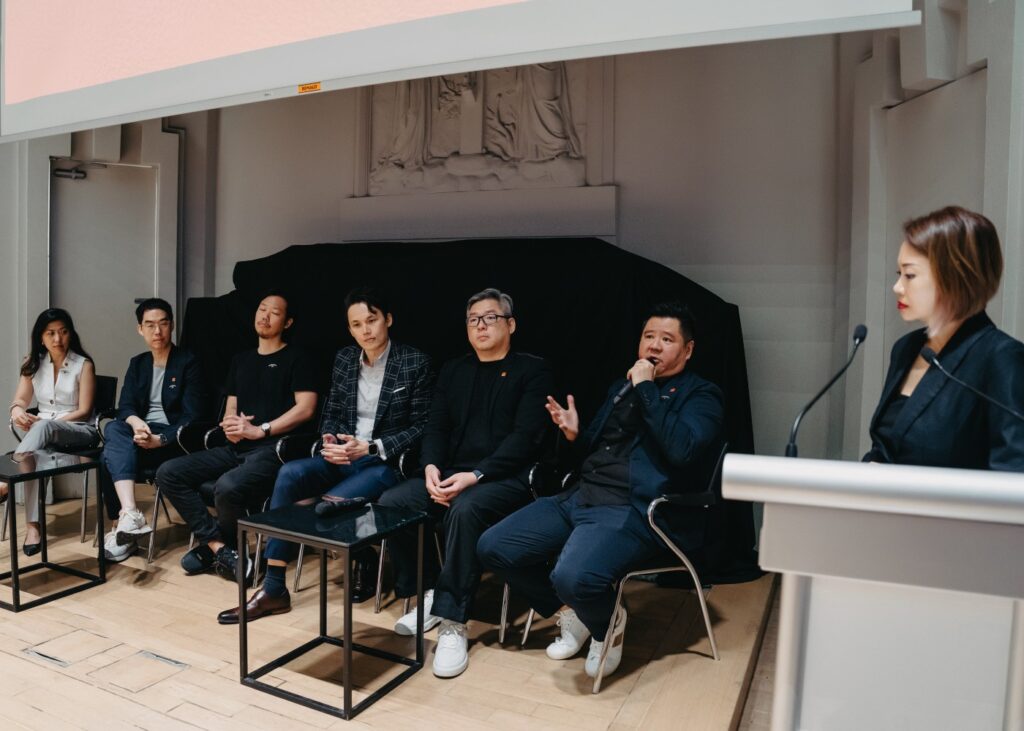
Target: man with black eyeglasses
(486, 423)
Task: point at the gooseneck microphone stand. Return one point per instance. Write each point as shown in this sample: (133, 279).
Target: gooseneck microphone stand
(860, 334)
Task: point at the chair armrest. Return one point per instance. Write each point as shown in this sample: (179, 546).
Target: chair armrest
(99, 417)
(14, 430)
(686, 499)
(214, 437)
(295, 446)
(190, 436)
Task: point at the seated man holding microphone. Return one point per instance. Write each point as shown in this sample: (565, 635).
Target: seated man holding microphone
(651, 436)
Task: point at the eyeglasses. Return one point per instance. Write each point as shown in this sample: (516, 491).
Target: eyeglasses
(488, 319)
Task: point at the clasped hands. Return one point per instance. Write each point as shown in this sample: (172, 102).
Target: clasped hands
(239, 426)
(22, 419)
(343, 448)
(143, 436)
(444, 491)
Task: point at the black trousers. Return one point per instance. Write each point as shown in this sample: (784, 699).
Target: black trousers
(473, 511)
(243, 481)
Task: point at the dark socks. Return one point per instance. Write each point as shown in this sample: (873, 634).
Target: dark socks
(273, 582)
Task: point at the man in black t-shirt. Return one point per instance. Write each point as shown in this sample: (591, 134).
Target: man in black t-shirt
(271, 390)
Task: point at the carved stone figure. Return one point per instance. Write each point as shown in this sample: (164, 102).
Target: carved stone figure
(491, 130)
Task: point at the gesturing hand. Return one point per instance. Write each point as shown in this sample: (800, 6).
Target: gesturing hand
(567, 419)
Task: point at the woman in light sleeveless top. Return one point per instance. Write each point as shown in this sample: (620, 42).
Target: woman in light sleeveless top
(60, 375)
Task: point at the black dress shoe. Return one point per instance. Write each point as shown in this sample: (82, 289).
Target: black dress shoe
(261, 605)
(364, 579)
(31, 549)
(227, 565)
(199, 560)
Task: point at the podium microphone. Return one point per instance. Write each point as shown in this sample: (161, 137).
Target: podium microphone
(929, 355)
(860, 334)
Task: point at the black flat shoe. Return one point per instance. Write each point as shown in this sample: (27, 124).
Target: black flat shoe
(31, 549)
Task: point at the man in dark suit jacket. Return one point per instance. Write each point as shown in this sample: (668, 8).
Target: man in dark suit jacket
(162, 390)
(485, 427)
(376, 411)
(654, 438)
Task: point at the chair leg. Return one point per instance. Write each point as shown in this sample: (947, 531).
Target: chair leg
(503, 622)
(7, 509)
(407, 605)
(380, 575)
(527, 627)
(191, 541)
(85, 505)
(256, 559)
(167, 513)
(157, 497)
(298, 567)
(609, 638)
(437, 545)
(703, 603)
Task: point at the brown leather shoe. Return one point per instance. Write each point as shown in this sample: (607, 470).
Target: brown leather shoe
(261, 605)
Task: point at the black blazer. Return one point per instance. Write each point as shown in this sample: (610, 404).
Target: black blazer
(943, 424)
(518, 416)
(182, 394)
(404, 397)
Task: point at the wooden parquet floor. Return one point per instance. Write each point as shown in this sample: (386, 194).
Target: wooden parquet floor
(144, 651)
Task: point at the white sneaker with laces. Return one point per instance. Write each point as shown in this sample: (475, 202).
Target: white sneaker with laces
(451, 657)
(130, 525)
(114, 551)
(406, 624)
(611, 662)
(574, 634)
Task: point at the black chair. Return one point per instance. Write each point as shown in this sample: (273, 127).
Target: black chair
(711, 496)
(103, 404)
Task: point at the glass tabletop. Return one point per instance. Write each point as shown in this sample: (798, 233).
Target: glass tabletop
(45, 462)
(348, 529)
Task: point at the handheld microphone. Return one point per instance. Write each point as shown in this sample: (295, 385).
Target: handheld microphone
(860, 334)
(929, 355)
(628, 386)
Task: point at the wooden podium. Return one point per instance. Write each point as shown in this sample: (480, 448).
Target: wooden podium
(902, 592)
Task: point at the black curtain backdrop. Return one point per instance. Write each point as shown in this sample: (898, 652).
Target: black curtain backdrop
(579, 303)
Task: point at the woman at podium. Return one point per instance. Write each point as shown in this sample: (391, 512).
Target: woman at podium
(949, 267)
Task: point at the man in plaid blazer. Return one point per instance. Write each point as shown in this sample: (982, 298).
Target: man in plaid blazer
(377, 409)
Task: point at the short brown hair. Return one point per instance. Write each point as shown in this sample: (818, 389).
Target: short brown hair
(963, 249)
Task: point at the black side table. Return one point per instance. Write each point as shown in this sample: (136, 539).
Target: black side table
(33, 466)
(344, 533)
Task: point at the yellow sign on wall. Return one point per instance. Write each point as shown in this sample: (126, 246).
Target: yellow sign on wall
(307, 88)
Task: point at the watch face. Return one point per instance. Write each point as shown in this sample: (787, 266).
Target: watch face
(372, 450)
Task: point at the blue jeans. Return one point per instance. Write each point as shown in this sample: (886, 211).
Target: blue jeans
(595, 546)
(367, 477)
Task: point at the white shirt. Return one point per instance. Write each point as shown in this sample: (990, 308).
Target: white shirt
(56, 398)
(371, 380)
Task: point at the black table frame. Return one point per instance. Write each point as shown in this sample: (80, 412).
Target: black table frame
(12, 524)
(347, 711)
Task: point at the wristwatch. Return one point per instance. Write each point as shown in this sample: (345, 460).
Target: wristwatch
(265, 426)
(372, 449)
(479, 475)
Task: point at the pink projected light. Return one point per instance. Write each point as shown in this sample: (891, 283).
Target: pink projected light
(114, 39)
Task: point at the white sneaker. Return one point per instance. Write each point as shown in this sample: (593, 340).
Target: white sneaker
(611, 662)
(130, 525)
(451, 657)
(574, 634)
(115, 552)
(406, 624)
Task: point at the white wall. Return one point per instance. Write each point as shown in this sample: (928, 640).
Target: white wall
(725, 162)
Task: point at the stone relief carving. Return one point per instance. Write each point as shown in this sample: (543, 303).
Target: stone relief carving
(500, 129)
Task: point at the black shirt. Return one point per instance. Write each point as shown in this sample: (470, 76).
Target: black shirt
(475, 444)
(604, 475)
(265, 385)
(885, 427)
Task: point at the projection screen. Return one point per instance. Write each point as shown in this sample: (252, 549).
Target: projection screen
(76, 64)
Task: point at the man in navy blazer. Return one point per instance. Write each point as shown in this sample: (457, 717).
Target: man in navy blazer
(162, 391)
(377, 410)
(654, 434)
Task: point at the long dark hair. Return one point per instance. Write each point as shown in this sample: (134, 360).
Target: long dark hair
(36, 349)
